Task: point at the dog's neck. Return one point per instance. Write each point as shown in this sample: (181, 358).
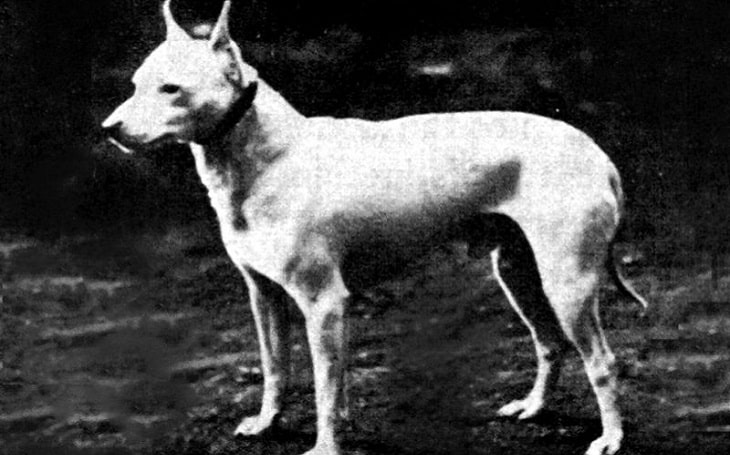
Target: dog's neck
(229, 165)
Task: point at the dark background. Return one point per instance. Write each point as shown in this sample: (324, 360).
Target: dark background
(646, 78)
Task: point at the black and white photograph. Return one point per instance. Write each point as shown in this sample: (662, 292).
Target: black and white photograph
(375, 227)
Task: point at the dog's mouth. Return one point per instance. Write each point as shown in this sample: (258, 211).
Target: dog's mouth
(131, 145)
(119, 145)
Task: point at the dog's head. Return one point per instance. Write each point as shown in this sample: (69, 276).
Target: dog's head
(185, 89)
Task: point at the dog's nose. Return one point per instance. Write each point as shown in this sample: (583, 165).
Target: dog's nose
(111, 129)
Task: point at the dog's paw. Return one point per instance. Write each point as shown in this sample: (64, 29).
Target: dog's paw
(256, 425)
(607, 444)
(522, 409)
(324, 449)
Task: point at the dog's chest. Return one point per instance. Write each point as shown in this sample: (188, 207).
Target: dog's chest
(257, 231)
(258, 249)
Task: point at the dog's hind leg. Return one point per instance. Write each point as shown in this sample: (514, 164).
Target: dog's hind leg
(515, 269)
(576, 303)
(270, 311)
(571, 265)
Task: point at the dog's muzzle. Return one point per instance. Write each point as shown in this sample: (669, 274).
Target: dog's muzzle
(113, 134)
(112, 131)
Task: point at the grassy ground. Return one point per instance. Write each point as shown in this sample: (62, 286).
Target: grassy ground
(146, 345)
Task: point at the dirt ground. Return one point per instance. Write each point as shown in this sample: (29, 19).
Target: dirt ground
(145, 344)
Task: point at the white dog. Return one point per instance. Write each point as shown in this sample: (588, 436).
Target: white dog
(320, 206)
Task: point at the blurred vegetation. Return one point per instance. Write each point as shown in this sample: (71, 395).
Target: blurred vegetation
(646, 78)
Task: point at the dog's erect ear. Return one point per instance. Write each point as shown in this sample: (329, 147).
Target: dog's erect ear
(222, 44)
(220, 37)
(174, 31)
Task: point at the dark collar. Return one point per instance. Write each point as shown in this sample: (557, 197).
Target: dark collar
(234, 114)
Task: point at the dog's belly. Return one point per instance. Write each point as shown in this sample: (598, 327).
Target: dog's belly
(369, 264)
(382, 252)
(382, 247)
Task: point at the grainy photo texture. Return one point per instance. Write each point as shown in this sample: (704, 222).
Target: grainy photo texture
(266, 226)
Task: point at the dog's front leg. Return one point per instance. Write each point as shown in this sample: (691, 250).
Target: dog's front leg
(270, 311)
(323, 304)
(326, 335)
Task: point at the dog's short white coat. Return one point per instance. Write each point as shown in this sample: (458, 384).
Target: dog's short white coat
(301, 201)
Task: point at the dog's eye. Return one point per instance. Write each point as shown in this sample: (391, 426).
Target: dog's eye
(170, 88)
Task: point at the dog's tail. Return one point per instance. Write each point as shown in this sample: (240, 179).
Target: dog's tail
(623, 286)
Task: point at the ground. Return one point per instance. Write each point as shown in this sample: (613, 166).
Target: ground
(144, 343)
